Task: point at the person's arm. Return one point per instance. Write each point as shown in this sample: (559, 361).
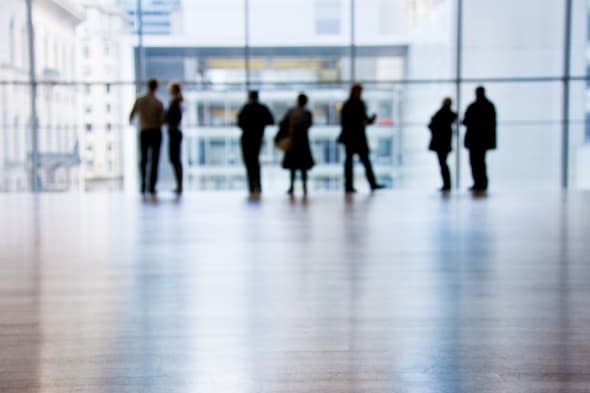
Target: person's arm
(368, 119)
(269, 117)
(467, 117)
(172, 115)
(493, 117)
(284, 123)
(162, 114)
(241, 120)
(132, 114)
(344, 115)
(432, 124)
(454, 117)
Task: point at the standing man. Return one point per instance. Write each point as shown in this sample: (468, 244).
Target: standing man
(354, 120)
(442, 134)
(252, 119)
(151, 115)
(480, 120)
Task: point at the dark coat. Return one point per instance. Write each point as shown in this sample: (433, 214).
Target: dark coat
(441, 129)
(480, 120)
(252, 119)
(298, 121)
(173, 115)
(353, 119)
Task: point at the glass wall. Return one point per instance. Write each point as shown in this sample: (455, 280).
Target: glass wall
(92, 58)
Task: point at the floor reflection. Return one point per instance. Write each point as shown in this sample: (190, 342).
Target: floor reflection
(384, 292)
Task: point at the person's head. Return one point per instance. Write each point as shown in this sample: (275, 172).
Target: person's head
(356, 91)
(447, 102)
(175, 90)
(253, 96)
(152, 85)
(302, 100)
(480, 92)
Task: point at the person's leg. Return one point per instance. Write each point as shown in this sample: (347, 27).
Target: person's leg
(292, 182)
(474, 167)
(156, 142)
(348, 170)
(484, 170)
(256, 166)
(304, 180)
(478, 168)
(444, 169)
(175, 159)
(364, 156)
(246, 156)
(143, 146)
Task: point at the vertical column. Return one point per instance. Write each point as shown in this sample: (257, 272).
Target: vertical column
(35, 186)
(352, 43)
(566, 96)
(132, 141)
(140, 49)
(247, 42)
(458, 82)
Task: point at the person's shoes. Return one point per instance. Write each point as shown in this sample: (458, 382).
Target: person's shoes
(445, 189)
(178, 191)
(290, 191)
(377, 187)
(350, 190)
(478, 189)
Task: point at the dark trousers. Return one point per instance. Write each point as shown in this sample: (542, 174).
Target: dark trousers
(150, 140)
(175, 139)
(444, 168)
(348, 168)
(477, 159)
(250, 155)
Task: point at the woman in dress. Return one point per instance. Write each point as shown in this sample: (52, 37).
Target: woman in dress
(298, 157)
(173, 119)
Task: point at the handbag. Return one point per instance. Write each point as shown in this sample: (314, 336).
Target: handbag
(284, 144)
(283, 139)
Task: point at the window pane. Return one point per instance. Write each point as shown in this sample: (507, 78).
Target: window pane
(381, 39)
(15, 116)
(528, 155)
(404, 52)
(309, 41)
(504, 38)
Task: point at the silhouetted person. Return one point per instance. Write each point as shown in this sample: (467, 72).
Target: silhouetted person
(442, 134)
(298, 120)
(354, 120)
(151, 115)
(173, 119)
(252, 119)
(480, 120)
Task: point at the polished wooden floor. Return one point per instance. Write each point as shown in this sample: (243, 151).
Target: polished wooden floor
(391, 292)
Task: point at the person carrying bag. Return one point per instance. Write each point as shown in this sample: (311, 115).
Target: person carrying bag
(293, 139)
